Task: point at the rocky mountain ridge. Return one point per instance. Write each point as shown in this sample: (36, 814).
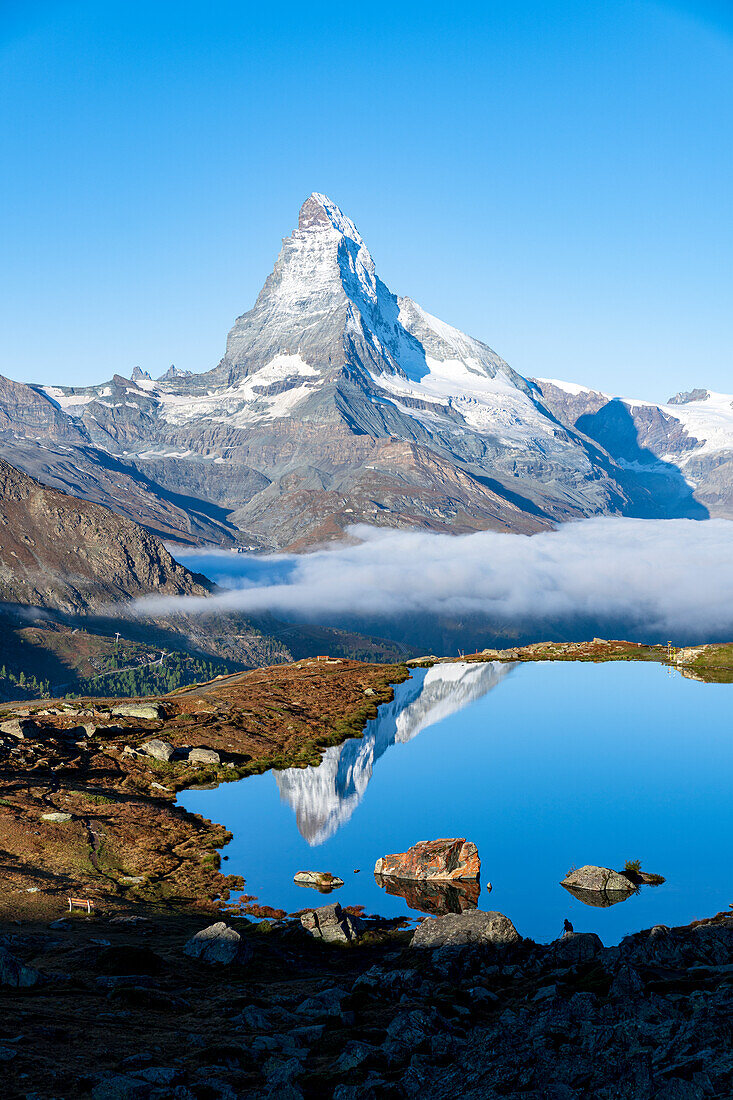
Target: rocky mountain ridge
(337, 402)
(60, 552)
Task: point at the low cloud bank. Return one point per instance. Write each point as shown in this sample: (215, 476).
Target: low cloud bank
(643, 579)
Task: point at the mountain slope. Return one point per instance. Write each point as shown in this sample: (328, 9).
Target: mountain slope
(681, 452)
(338, 402)
(63, 553)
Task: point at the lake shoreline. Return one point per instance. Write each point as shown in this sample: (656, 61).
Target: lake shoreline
(401, 1022)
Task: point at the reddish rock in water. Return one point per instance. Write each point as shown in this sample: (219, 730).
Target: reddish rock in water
(439, 860)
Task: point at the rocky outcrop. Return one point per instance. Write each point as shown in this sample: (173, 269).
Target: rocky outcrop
(455, 929)
(331, 924)
(437, 860)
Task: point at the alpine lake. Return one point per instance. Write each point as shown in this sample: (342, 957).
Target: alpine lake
(544, 766)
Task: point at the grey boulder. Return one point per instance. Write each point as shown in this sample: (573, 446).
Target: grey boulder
(19, 728)
(159, 750)
(330, 924)
(473, 926)
(147, 711)
(203, 756)
(598, 879)
(218, 945)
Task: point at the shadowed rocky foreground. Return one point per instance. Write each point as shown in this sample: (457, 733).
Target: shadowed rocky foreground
(116, 1008)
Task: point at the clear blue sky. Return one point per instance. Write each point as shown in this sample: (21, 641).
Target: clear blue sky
(553, 177)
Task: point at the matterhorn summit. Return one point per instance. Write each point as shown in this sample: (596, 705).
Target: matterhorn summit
(339, 403)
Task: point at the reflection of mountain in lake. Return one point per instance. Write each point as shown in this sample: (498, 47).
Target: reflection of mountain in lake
(325, 797)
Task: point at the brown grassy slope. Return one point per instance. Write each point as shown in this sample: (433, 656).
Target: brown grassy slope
(125, 824)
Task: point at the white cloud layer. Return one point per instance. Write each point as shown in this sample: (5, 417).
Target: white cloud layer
(648, 578)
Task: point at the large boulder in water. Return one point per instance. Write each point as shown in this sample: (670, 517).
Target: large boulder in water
(474, 926)
(598, 879)
(444, 860)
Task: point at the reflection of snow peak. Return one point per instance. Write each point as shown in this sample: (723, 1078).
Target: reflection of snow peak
(325, 797)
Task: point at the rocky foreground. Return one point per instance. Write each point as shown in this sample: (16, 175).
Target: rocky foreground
(141, 1007)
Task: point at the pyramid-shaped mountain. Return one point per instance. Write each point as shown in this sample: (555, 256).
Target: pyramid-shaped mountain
(337, 402)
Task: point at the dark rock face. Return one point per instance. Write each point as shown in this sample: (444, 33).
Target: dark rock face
(437, 898)
(438, 860)
(475, 926)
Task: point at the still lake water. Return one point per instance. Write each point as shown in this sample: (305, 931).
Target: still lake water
(543, 766)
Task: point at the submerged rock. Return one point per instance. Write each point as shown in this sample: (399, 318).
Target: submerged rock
(442, 860)
(475, 926)
(331, 924)
(218, 945)
(320, 880)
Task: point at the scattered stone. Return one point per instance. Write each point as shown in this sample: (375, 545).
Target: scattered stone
(16, 974)
(130, 920)
(320, 880)
(473, 926)
(19, 728)
(131, 880)
(203, 756)
(159, 750)
(56, 818)
(331, 924)
(159, 787)
(442, 860)
(218, 945)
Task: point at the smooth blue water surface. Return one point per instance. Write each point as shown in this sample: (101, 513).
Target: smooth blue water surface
(543, 766)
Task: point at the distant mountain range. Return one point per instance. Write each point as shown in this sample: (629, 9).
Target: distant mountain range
(337, 402)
